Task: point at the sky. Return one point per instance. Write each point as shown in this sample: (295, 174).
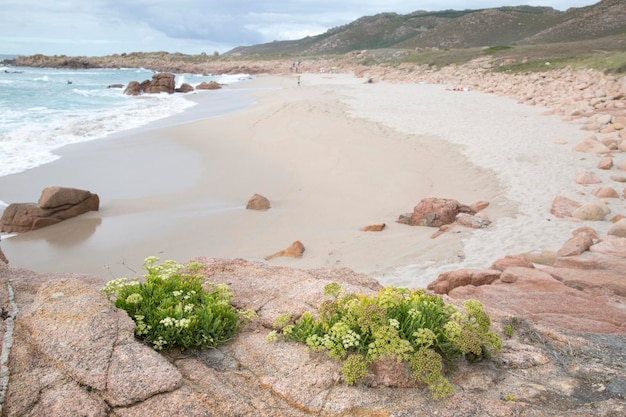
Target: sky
(106, 27)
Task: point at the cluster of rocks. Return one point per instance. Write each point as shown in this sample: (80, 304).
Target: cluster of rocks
(166, 83)
(55, 205)
(445, 213)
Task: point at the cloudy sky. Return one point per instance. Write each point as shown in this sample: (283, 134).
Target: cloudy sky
(105, 27)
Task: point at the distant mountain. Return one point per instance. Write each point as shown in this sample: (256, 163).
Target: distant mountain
(457, 29)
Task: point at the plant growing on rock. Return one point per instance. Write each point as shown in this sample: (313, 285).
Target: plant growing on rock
(172, 308)
(411, 326)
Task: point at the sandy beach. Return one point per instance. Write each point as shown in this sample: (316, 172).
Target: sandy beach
(332, 155)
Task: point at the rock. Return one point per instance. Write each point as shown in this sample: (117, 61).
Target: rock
(251, 376)
(475, 222)
(605, 163)
(611, 246)
(258, 202)
(591, 211)
(576, 245)
(510, 261)
(586, 178)
(55, 205)
(618, 229)
(479, 205)
(622, 165)
(596, 279)
(605, 192)
(184, 88)
(563, 206)
(548, 302)
(593, 146)
(374, 227)
(133, 89)
(53, 197)
(80, 350)
(163, 82)
(115, 86)
(543, 257)
(447, 281)
(435, 212)
(160, 83)
(508, 277)
(294, 251)
(211, 85)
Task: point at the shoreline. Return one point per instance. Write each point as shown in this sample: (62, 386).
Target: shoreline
(332, 155)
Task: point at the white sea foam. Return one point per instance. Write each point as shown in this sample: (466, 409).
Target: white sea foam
(44, 109)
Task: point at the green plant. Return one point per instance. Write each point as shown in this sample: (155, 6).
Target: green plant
(411, 326)
(172, 308)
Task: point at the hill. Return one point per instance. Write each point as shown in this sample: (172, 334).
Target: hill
(521, 25)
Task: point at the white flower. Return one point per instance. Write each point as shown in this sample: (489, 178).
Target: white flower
(168, 322)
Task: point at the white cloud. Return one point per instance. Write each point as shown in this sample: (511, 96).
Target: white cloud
(102, 27)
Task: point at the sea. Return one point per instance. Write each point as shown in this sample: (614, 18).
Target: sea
(43, 109)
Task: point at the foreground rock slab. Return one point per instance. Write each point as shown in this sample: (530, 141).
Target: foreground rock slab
(73, 354)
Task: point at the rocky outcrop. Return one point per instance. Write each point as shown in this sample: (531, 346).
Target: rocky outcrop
(161, 83)
(73, 353)
(55, 205)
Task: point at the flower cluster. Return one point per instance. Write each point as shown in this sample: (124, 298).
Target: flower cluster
(173, 307)
(411, 326)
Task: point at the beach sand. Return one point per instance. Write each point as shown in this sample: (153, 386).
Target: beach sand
(332, 155)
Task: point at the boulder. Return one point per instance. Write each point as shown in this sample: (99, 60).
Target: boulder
(435, 212)
(605, 192)
(591, 145)
(294, 251)
(618, 228)
(184, 88)
(55, 205)
(605, 163)
(258, 202)
(563, 206)
(133, 89)
(211, 85)
(447, 281)
(576, 245)
(586, 178)
(161, 83)
(591, 211)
